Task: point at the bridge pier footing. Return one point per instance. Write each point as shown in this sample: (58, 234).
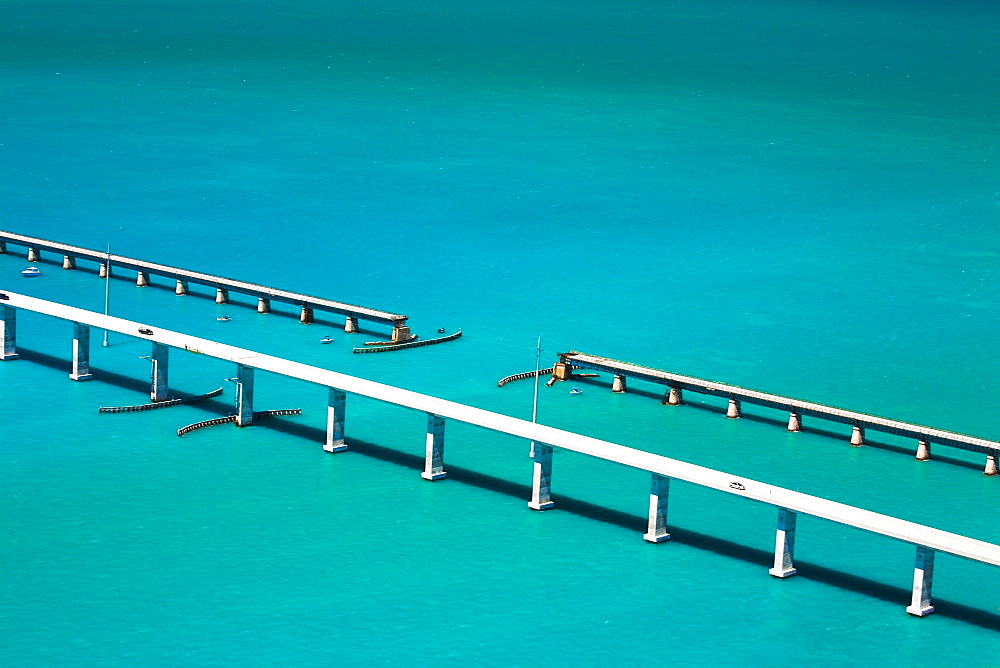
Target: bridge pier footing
(336, 401)
(923, 451)
(81, 352)
(142, 279)
(675, 397)
(34, 255)
(857, 436)
(401, 333)
(306, 316)
(221, 296)
(263, 305)
(733, 411)
(8, 333)
(181, 288)
(784, 545)
(541, 480)
(69, 262)
(434, 452)
(618, 384)
(104, 271)
(991, 465)
(350, 325)
(659, 495)
(923, 575)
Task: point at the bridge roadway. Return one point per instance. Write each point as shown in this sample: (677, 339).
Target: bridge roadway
(795, 406)
(788, 502)
(217, 282)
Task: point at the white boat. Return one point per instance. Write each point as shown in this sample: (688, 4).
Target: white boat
(223, 318)
(32, 271)
(326, 339)
(576, 390)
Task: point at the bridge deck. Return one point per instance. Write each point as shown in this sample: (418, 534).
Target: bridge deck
(209, 280)
(702, 386)
(910, 532)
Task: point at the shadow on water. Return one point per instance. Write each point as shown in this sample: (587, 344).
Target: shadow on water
(696, 539)
(844, 435)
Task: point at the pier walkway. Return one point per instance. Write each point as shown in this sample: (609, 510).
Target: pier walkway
(223, 286)
(788, 503)
(796, 409)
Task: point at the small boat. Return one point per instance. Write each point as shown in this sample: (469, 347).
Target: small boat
(223, 318)
(441, 330)
(576, 390)
(326, 339)
(32, 271)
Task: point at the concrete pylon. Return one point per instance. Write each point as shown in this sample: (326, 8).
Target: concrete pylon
(434, 451)
(350, 325)
(991, 465)
(401, 334)
(8, 333)
(142, 279)
(81, 352)
(784, 545)
(923, 451)
(675, 397)
(181, 288)
(69, 262)
(541, 480)
(336, 402)
(34, 255)
(659, 494)
(923, 577)
(857, 436)
(244, 395)
(794, 422)
(733, 410)
(160, 359)
(104, 271)
(306, 316)
(618, 384)
(263, 305)
(221, 296)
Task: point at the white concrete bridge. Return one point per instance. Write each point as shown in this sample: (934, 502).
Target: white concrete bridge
(926, 540)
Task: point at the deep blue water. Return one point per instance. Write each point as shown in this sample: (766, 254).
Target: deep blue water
(798, 197)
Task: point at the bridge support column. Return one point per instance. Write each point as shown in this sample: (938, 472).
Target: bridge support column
(81, 352)
(991, 465)
(181, 288)
(656, 528)
(69, 262)
(561, 371)
(618, 384)
(675, 396)
(434, 457)
(34, 255)
(336, 401)
(104, 271)
(541, 498)
(784, 544)
(351, 325)
(160, 359)
(221, 296)
(857, 436)
(244, 396)
(306, 316)
(263, 305)
(401, 333)
(142, 279)
(733, 411)
(8, 333)
(923, 451)
(795, 422)
(923, 574)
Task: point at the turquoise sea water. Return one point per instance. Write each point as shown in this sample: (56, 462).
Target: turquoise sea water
(800, 197)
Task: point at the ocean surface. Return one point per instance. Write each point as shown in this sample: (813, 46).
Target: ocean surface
(796, 196)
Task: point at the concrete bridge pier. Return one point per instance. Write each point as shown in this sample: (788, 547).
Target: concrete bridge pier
(675, 397)
(434, 457)
(8, 333)
(181, 288)
(221, 296)
(3, 247)
(561, 371)
(784, 544)
(81, 352)
(923, 575)
(656, 528)
(923, 451)
(991, 465)
(160, 359)
(541, 480)
(263, 305)
(34, 255)
(618, 384)
(794, 422)
(733, 411)
(69, 262)
(142, 279)
(104, 271)
(336, 401)
(244, 396)
(306, 316)
(401, 333)
(351, 325)
(857, 436)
